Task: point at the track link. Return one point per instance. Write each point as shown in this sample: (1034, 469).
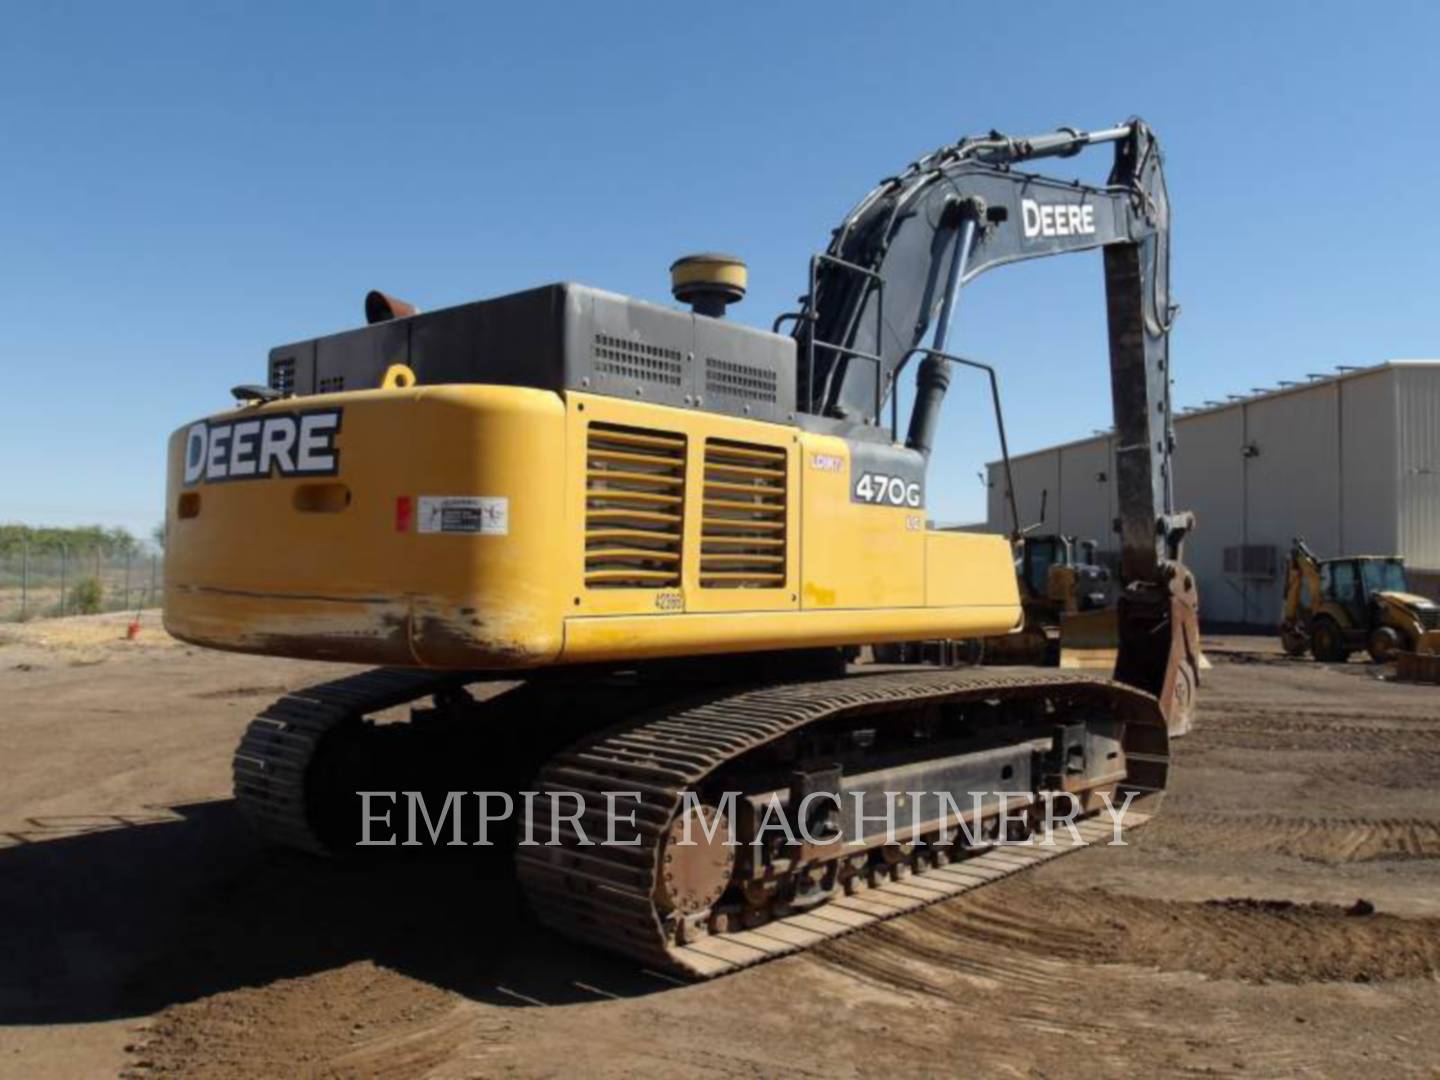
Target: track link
(603, 895)
(271, 766)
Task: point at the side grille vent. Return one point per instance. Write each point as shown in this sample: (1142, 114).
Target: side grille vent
(742, 530)
(282, 375)
(1429, 618)
(636, 360)
(634, 507)
(331, 384)
(729, 378)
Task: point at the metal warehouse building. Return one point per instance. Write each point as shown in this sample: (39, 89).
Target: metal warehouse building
(1350, 462)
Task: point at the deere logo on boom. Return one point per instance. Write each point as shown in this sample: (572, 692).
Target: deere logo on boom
(1056, 219)
(278, 444)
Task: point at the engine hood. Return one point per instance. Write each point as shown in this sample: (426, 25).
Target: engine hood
(1407, 600)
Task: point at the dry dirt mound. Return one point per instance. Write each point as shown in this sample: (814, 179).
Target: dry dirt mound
(312, 1022)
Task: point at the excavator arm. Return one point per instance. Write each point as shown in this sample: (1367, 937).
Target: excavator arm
(1303, 570)
(894, 269)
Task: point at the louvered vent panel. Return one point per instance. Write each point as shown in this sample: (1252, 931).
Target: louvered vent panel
(730, 378)
(282, 375)
(742, 532)
(634, 507)
(637, 360)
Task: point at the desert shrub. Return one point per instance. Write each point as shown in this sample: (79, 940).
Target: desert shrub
(86, 596)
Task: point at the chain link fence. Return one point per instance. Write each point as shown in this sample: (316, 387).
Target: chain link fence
(45, 583)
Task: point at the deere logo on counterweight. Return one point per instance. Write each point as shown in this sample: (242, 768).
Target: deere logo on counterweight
(277, 444)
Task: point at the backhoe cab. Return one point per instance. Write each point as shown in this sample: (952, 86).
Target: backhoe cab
(1060, 573)
(1335, 607)
(1069, 604)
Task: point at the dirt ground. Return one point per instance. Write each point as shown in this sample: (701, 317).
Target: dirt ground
(143, 933)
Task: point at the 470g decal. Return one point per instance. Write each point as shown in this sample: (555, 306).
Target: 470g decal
(884, 490)
(276, 444)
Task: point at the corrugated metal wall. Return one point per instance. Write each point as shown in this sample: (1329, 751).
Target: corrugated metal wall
(1210, 480)
(1368, 480)
(1418, 454)
(1292, 484)
(1351, 464)
(1075, 483)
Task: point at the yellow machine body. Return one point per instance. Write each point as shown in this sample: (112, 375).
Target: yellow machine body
(474, 527)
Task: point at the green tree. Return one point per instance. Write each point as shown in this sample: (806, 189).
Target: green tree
(78, 540)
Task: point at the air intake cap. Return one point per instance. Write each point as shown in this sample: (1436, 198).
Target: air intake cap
(708, 282)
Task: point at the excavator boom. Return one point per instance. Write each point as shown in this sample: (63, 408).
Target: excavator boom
(895, 265)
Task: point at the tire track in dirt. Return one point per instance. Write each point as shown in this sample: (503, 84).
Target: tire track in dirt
(1335, 841)
(1093, 977)
(1017, 939)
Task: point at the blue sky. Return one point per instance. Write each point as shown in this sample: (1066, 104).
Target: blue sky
(182, 187)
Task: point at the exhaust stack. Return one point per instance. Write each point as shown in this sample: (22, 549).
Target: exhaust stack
(381, 308)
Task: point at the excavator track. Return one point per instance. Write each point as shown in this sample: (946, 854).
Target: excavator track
(272, 764)
(606, 895)
(678, 737)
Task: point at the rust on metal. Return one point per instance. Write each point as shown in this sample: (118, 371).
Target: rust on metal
(611, 902)
(380, 307)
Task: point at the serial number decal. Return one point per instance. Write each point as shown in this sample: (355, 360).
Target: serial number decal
(477, 515)
(276, 444)
(670, 601)
(827, 462)
(883, 490)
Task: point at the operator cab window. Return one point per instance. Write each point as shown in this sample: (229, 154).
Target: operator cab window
(1347, 585)
(1384, 577)
(1039, 559)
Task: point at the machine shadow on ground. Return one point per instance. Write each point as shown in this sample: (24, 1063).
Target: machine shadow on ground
(126, 919)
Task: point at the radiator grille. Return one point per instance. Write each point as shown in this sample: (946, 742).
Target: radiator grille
(634, 507)
(730, 378)
(742, 530)
(1429, 618)
(282, 375)
(637, 360)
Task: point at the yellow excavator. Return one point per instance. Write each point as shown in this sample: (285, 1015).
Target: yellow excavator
(665, 533)
(1335, 607)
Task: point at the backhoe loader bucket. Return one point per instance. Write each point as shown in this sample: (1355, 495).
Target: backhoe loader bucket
(1422, 665)
(1090, 639)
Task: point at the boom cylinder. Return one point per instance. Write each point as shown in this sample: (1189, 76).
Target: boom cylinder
(933, 379)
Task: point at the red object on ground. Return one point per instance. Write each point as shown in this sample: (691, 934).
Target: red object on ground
(132, 631)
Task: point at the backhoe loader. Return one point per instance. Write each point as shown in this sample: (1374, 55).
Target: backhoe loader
(1335, 607)
(665, 532)
(1068, 599)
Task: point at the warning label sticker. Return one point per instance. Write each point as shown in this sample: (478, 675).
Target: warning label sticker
(483, 515)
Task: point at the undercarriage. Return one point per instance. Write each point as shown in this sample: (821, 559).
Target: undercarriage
(700, 825)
